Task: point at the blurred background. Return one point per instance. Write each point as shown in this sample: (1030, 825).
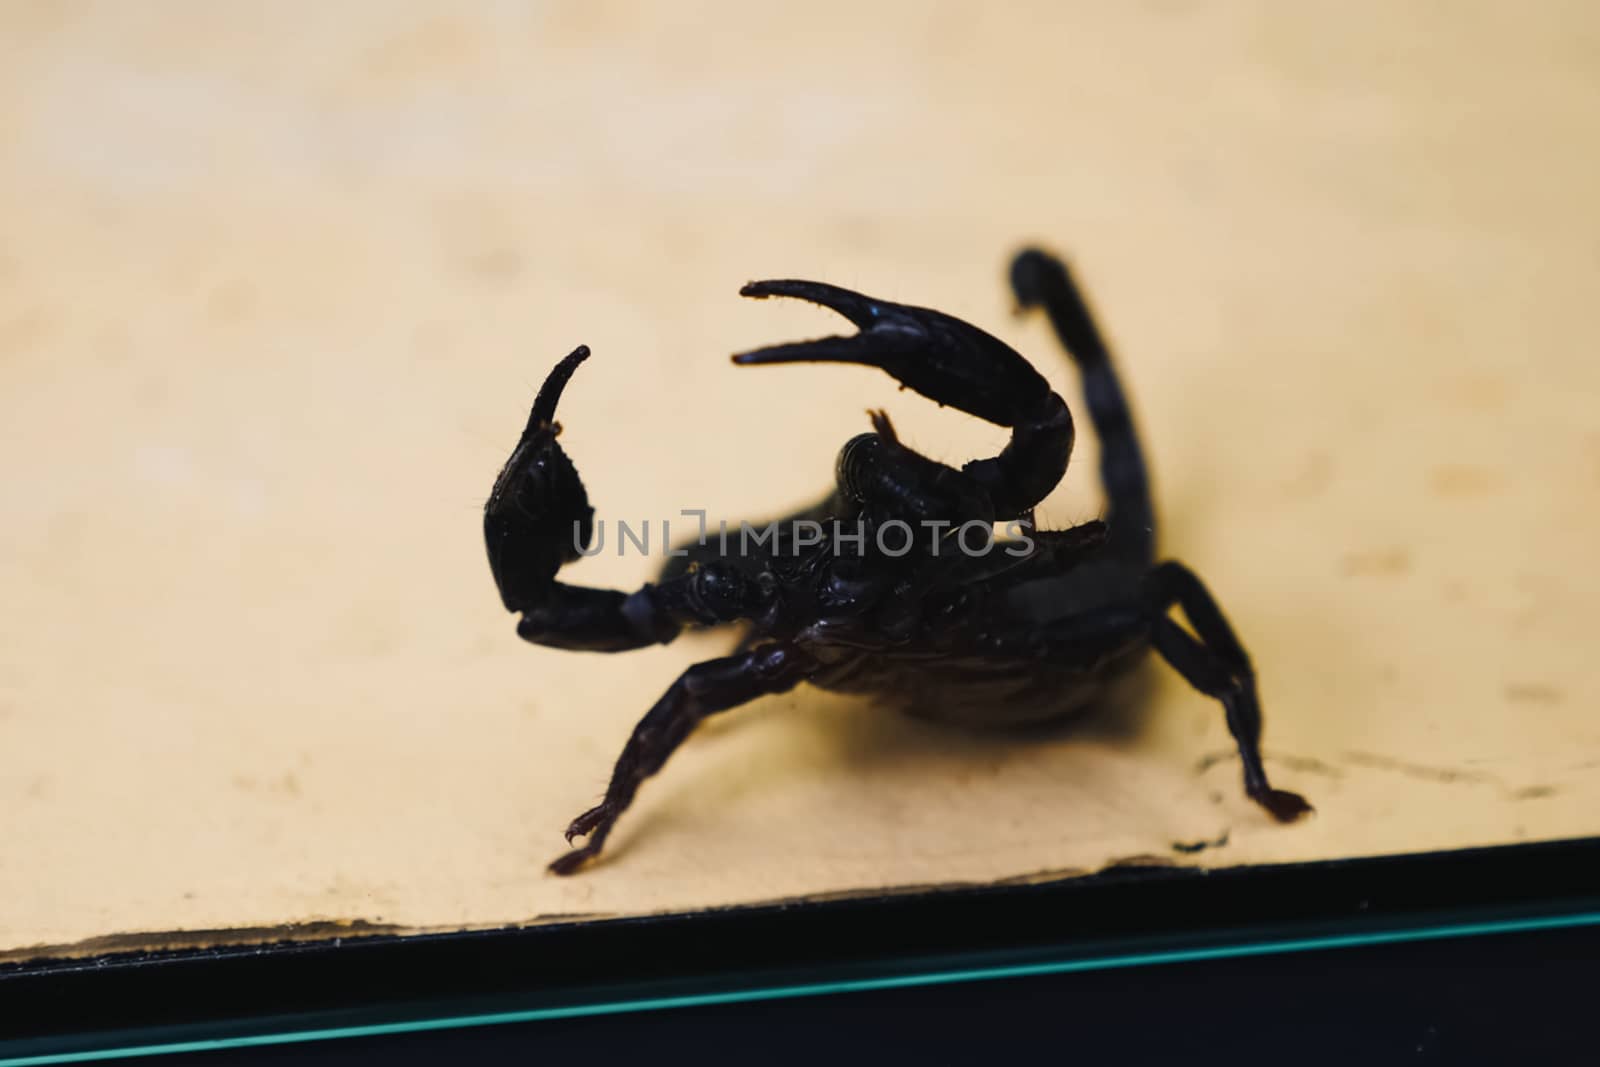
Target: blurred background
(278, 283)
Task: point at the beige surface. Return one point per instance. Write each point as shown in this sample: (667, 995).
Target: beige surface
(277, 283)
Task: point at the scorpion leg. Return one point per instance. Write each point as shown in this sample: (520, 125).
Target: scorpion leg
(1041, 280)
(1220, 668)
(702, 690)
(538, 518)
(951, 363)
(1102, 640)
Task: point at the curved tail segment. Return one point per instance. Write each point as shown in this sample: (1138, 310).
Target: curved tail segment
(1040, 280)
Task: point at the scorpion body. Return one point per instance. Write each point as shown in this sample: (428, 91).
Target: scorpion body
(877, 589)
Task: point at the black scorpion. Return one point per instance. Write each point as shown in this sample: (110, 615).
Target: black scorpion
(893, 585)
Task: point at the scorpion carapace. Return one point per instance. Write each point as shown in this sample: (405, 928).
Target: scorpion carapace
(894, 583)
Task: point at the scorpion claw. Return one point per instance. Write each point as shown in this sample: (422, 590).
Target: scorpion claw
(946, 360)
(860, 310)
(538, 515)
(544, 405)
(825, 350)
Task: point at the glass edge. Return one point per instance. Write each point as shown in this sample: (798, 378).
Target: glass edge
(780, 990)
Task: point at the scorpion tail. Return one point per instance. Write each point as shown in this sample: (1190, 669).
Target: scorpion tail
(1041, 280)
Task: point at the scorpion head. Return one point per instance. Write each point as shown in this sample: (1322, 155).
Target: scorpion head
(728, 589)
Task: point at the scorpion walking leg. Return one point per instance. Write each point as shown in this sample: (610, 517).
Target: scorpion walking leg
(1041, 280)
(704, 689)
(952, 363)
(1221, 669)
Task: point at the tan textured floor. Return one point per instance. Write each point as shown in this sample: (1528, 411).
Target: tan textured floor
(277, 283)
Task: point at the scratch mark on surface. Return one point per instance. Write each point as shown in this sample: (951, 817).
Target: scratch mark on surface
(1304, 764)
(1191, 847)
(1445, 775)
